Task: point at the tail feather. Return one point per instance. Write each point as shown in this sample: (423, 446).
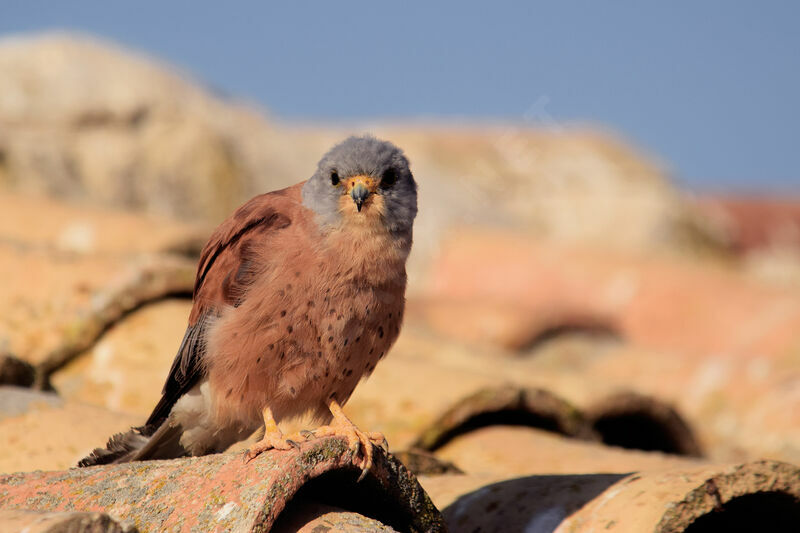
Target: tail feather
(118, 448)
(139, 444)
(165, 443)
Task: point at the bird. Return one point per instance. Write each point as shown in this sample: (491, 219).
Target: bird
(298, 295)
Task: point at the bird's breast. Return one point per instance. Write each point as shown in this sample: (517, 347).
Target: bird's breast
(307, 331)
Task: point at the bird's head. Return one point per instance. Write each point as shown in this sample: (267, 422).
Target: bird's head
(366, 182)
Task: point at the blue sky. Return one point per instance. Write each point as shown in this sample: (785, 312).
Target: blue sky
(709, 88)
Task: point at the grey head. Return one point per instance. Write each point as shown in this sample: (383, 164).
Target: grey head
(363, 176)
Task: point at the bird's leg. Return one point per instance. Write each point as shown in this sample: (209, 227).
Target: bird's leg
(341, 426)
(273, 438)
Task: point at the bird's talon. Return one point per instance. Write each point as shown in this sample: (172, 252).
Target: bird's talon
(249, 455)
(363, 475)
(354, 444)
(380, 441)
(307, 434)
(359, 443)
(293, 443)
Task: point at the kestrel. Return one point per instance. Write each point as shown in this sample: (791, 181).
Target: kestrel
(298, 295)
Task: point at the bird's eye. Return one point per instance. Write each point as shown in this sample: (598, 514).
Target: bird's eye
(334, 178)
(389, 177)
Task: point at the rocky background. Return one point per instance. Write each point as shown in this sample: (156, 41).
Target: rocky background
(571, 313)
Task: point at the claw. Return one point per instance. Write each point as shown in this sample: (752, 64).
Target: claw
(357, 441)
(379, 440)
(354, 443)
(342, 426)
(273, 440)
(249, 455)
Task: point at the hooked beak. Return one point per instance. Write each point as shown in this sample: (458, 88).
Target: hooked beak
(359, 194)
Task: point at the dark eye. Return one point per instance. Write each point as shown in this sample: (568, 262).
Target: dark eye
(334, 177)
(389, 177)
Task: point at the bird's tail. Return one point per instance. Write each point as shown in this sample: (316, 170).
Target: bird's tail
(139, 444)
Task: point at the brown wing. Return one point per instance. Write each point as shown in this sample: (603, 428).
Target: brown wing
(228, 265)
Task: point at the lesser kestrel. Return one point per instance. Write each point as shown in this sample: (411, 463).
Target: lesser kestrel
(298, 295)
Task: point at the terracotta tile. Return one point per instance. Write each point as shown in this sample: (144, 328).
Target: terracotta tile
(221, 492)
(39, 222)
(737, 409)
(756, 495)
(126, 368)
(752, 222)
(59, 304)
(43, 432)
(657, 301)
(307, 517)
(42, 522)
(517, 450)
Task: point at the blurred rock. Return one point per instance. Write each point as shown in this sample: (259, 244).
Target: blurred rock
(40, 431)
(764, 231)
(567, 185)
(519, 503)
(752, 222)
(58, 305)
(758, 496)
(83, 118)
(34, 222)
(43, 292)
(509, 325)
(500, 406)
(639, 422)
(64, 522)
(153, 278)
(737, 408)
(67, 272)
(126, 368)
(318, 518)
(780, 266)
(517, 450)
(15, 401)
(502, 430)
(420, 462)
(418, 381)
(657, 301)
(14, 371)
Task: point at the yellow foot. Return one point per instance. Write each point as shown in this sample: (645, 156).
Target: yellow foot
(274, 440)
(356, 440)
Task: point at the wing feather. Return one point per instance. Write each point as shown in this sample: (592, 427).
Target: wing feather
(224, 273)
